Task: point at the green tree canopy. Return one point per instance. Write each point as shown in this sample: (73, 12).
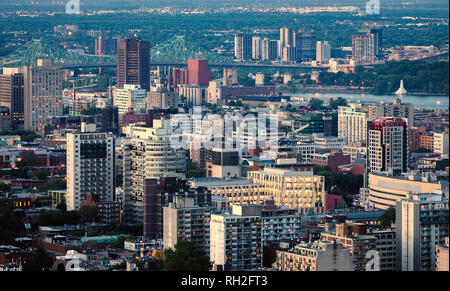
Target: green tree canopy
(315, 104)
(186, 256)
(388, 217)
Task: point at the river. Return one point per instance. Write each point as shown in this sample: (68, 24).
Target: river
(419, 101)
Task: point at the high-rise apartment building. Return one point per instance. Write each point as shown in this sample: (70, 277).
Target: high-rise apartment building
(90, 168)
(162, 98)
(323, 52)
(378, 33)
(130, 97)
(286, 37)
(133, 63)
(394, 109)
(421, 224)
(243, 47)
(442, 259)
(352, 124)
(256, 47)
(12, 95)
(364, 48)
(269, 49)
(183, 219)
(42, 93)
(388, 146)
(440, 143)
(148, 154)
(236, 239)
(105, 46)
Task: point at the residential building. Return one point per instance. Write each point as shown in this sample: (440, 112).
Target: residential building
(243, 47)
(236, 239)
(421, 224)
(440, 143)
(90, 168)
(42, 94)
(395, 109)
(388, 146)
(185, 220)
(316, 256)
(442, 259)
(12, 95)
(352, 124)
(323, 52)
(148, 154)
(364, 48)
(130, 97)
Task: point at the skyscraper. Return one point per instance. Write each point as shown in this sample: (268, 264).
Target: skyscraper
(378, 33)
(305, 42)
(133, 63)
(388, 145)
(286, 37)
(256, 47)
(12, 95)
(198, 73)
(130, 97)
(352, 124)
(269, 49)
(243, 46)
(323, 52)
(42, 94)
(364, 48)
(90, 167)
(148, 154)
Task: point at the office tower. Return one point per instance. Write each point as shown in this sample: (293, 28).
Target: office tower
(130, 97)
(256, 47)
(230, 77)
(162, 98)
(236, 241)
(198, 73)
(179, 77)
(378, 33)
(286, 37)
(394, 109)
(105, 46)
(300, 190)
(289, 54)
(363, 48)
(323, 52)
(12, 95)
(133, 63)
(421, 223)
(305, 42)
(183, 219)
(243, 47)
(385, 190)
(316, 256)
(111, 120)
(388, 146)
(42, 94)
(223, 164)
(90, 168)
(442, 259)
(269, 50)
(148, 154)
(5, 119)
(352, 124)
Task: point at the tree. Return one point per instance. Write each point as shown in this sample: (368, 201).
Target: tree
(186, 256)
(41, 260)
(29, 159)
(54, 184)
(89, 213)
(338, 102)
(315, 104)
(120, 242)
(388, 217)
(5, 187)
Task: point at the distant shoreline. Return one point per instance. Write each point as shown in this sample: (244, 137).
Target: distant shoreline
(341, 90)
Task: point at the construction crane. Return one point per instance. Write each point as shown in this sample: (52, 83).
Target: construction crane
(294, 132)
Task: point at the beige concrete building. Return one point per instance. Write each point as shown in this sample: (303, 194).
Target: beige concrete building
(317, 256)
(386, 190)
(352, 124)
(394, 109)
(42, 94)
(300, 190)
